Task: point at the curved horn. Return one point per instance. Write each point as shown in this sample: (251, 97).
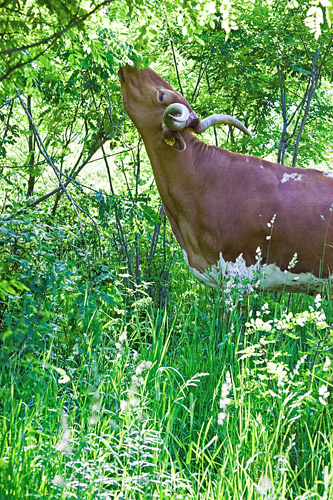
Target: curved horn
(176, 116)
(221, 119)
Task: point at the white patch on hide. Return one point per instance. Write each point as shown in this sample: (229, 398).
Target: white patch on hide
(328, 174)
(273, 279)
(289, 177)
(269, 278)
(243, 275)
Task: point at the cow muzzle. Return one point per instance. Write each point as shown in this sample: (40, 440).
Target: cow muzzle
(176, 116)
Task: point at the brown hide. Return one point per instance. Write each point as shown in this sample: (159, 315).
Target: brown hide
(218, 201)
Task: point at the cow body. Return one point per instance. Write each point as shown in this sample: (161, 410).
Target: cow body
(233, 214)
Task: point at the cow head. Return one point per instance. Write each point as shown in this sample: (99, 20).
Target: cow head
(158, 111)
(147, 97)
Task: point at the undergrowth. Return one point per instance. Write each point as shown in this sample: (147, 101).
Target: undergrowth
(107, 392)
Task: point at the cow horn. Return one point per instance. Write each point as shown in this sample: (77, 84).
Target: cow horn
(221, 119)
(176, 116)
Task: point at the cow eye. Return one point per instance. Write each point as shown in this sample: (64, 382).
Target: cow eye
(160, 96)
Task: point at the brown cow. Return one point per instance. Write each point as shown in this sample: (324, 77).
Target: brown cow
(233, 215)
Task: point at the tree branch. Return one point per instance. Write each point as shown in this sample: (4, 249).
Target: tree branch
(44, 153)
(70, 179)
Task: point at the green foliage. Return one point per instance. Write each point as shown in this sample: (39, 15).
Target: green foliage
(183, 402)
(121, 377)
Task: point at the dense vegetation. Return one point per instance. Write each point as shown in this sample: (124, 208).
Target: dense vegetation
(120, 375)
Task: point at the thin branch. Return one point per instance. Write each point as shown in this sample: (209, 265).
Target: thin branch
(43, 162)
(283, 142)
(44, 153)
(210, 93)
(23, 63)
(174, 55)
(8, 102)
(300, 35)
(154, 240)
(329, 45)
(300, 105)
(7, 123)
(115, 154)
(201, 73)
(124, 246)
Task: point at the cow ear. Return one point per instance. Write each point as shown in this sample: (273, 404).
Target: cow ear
(173, 139)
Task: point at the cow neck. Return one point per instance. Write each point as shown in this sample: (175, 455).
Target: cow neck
(180, 174)
(181, 178)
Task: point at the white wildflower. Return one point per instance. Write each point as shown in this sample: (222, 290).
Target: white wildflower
(300, 320)
(124, 405)
(323, 391)
(58, 481)
(323, 394)
(265, 484)
(327, 364)
(258, 325)
(123, 337)
(134, 402)
(293, 262)
(299, 364)
(64, 444)
(225, 400)
(139, 369)
(93, 420)
(144, 365)
(221, 417)
(318, 301)
(265, 308)
(326, 479)
(276, 368)
(138, 380)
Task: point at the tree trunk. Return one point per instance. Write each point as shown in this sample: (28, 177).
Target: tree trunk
(305, 105)
(315, 73)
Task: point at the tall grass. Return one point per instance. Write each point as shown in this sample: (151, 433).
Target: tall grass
(186, 401)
